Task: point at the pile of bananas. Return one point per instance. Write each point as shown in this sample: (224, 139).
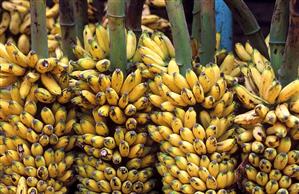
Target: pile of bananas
(194, 130)
(15, 24)
(152, 22)
(268, 131)
(36, 145)
(114, 134)
(42, 79)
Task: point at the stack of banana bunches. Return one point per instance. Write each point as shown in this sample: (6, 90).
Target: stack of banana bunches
(118, 155)
(218, 127)
(268, 133)
(37, 139)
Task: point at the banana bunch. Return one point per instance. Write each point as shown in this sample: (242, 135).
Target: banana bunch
(194, 157)
(95, 44)
(151, 22)
(43, 80)
(271, 159)
(98, 176)
(114, 130)
(48, 127)
(15, 24)
(170, 90)
(155, 51)
(33, 168)
(193, 125)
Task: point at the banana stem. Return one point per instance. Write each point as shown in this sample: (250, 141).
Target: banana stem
(68, 27)
(196, 22)
(208, 31)
(100, 9)
(278, 33)
(81, 17)
(39, 39)
(117, 34)
(289, 68)
(133, 16)
(181, 38)
(248, 24)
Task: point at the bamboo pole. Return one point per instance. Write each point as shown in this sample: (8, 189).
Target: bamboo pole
(68, 27)
(278, 33)
(133, 16)
(208, 31)
(289, 69)
(248, 24)
(196, 22)
(116, 23)
(180, 34)
(81, 17)
(39, 39)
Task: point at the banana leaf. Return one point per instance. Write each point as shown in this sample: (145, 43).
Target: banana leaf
(278, 33)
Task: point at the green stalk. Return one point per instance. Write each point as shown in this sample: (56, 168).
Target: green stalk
(248, 24)
(289, 68)
(278, 33)
(39, 39)
(180, 34)
(133, 16)
(116, 23)
(68, 27)
(196, 22)
(81, 17)
(208, 31)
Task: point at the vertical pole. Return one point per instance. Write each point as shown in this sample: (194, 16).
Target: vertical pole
(81, 17)
(133, 16)
(68, 27)
(208, 31)
(116, 23)
(39, 39)
(181, 38)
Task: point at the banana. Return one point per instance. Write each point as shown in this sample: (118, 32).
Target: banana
(22, 186)
(248, 99)
(288, 91)
(241, 52)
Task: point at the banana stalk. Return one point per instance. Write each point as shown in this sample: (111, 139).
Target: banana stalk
(208, 31)
(133, 15)
(68, 27)
(100, 9)
(116, 23)
(196, 22)
(278, 32)
(39, 39)
(81, 17)
(248, 24)
(289, 68)
(180, 34)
